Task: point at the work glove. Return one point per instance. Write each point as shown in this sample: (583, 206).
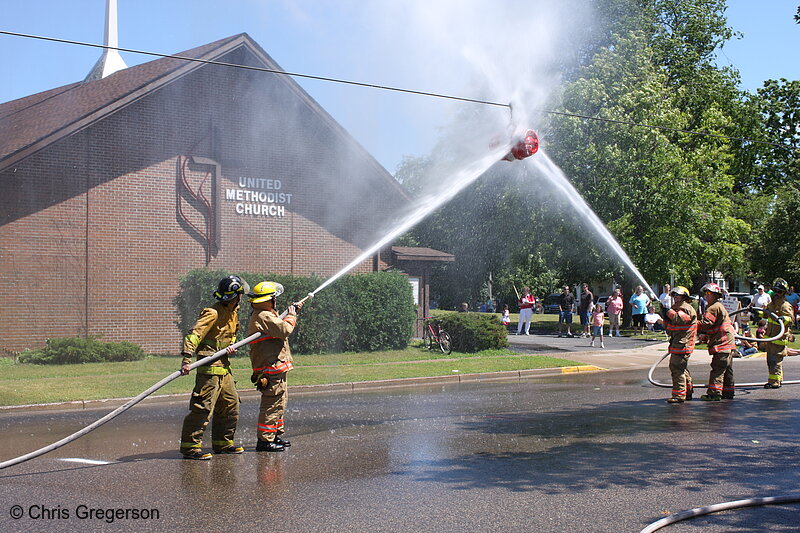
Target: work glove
(259, 380)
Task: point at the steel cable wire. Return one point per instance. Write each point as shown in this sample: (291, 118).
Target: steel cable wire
(388, 88)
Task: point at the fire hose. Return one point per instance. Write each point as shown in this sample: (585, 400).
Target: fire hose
(133, 401)
(772, 315)
(738, 504)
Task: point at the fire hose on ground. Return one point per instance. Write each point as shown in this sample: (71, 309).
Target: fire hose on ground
(772, 315)
(133, 401)
(715, 508)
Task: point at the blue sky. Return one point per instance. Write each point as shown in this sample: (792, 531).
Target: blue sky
(415, 44)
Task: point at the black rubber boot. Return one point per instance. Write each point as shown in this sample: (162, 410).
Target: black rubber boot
(283, 442)
(711, 397)
(266, 446)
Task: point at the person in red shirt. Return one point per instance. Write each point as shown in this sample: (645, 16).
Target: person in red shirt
(526, 303)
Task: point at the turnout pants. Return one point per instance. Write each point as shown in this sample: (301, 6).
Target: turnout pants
(274, 398)
(212, 395)
(720, 382)
(775, 355)
(681, 378)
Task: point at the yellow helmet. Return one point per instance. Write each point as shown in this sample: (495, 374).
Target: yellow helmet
(266, 290)
(681, 290)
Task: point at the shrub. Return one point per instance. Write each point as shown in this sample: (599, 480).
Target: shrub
(364, 312)
(81, 350)
(473, 332)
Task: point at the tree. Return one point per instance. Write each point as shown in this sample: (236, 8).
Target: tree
(775, 249)
(778, 254)
(664, 196)
(779, 106)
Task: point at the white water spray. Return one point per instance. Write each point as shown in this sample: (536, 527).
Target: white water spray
(559, 180)
(463, 177)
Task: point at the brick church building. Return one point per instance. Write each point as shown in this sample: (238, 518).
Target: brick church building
(114, 188)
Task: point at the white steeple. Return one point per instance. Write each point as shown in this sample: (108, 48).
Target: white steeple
(110, 61)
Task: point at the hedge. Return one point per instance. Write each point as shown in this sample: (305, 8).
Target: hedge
(81, 350)
(364, 312)
(473, 332)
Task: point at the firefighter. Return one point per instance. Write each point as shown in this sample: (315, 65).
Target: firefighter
(214, 390)
(716, 328)
(681, 325)
(776, 350)
(271, 359)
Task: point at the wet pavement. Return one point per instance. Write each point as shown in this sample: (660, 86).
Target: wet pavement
(596, 451)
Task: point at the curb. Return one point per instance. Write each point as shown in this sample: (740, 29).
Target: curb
(508, 375)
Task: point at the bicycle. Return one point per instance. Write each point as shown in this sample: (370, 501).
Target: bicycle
(436, 336)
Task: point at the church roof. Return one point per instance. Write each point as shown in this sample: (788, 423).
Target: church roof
(32, 123)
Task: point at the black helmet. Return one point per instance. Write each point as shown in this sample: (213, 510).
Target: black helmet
(780, 285)
(228, 288)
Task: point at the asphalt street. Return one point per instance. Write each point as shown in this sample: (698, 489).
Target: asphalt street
(595, 451)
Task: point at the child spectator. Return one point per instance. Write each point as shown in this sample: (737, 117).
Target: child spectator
(506, 318)
(743, 320)
(597, 324)
(761, 330)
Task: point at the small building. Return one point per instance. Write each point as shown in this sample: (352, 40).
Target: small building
(417, 263)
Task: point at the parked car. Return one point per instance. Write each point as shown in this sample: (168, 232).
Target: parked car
(550, 304)
(743, 297)
(602, 301)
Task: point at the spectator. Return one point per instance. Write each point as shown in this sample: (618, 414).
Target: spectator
(665, 300)
(526, 303)
(743, 320)
(566, 306)
(701, 304)
(761, 299)
(506, 318)
(585, 308)
(614, 306)
(597, 324)
(464, 307)
(761, 330)
(794, 300)
(639, 302)
(652, 320)
(745, 347)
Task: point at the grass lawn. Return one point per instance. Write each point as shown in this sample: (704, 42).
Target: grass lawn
(26, 384)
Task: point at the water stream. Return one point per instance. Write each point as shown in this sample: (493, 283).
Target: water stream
(559, 181)
(468, 174)
(464, 177)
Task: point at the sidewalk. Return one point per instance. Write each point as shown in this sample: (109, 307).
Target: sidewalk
(619, 352)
